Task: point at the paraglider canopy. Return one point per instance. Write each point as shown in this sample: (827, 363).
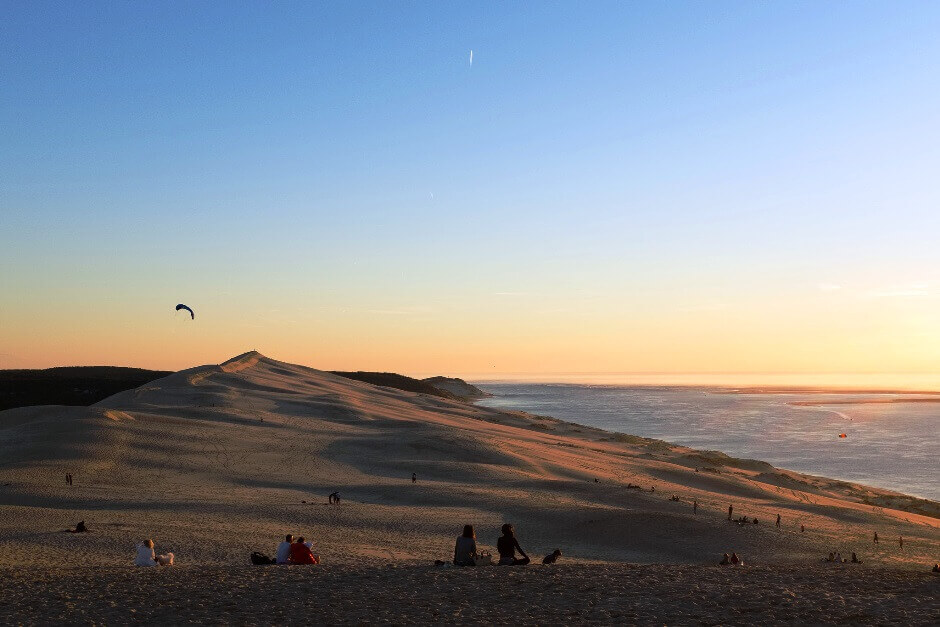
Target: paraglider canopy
(182, 306)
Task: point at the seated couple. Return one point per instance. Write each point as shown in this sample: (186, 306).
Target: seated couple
(299, 552)
(465, 551)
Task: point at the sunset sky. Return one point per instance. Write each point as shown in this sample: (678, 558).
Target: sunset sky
(610, 187)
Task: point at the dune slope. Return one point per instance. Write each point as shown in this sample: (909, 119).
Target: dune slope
(217, 461)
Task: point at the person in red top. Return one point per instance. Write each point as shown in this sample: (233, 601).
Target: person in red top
(300, 553)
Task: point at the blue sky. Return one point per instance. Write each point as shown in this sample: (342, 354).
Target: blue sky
(335, 164)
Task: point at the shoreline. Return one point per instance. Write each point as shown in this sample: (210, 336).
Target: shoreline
(809, 404)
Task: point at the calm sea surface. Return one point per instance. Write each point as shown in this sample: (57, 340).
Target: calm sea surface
(893, 446)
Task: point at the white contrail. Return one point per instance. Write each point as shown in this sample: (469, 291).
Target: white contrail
(471, 58)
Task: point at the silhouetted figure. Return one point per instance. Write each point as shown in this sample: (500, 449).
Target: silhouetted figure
(694, 506)
(802, 529)
(900, 542)
(334, 498)
(79, 528)
(465, 551)
(552, 557)
(734, 559)
(595, 480)
(876, 537)
(507, 545)
(414, 477)
(730, 510)
(855, 559)
(725, 560)
(936, 568)
(778, 521)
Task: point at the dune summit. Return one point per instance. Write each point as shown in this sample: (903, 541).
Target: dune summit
(215, 462)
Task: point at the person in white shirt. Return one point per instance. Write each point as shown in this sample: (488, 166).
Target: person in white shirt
(147, 557)
(283, 550)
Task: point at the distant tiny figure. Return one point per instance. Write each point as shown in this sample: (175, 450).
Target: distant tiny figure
(79, 528)
(694, 506)
(725, 560)
(936, 568)
(147, 557)
(334, 498)
(832, 557)
(778, 521)
(282, 554)
(730, 510)
(300, 553)
(652, 488)
(802, 529)
(414, 477)
(734, 559)
(900, 542)
(755, 521)
(552, 557)
(465, 551)
(839, 559)
(507, 545)
(595, 480)
(876, 537)
(855, 559)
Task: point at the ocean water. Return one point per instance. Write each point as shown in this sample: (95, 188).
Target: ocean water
(889, 445)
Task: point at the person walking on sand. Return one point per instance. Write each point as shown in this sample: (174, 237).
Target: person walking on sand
(778, 521)
(900, 542)
(876, 538)
(414, 477)
(802, 529)
(507, 545)
(730, 510)
(465, 551)
(694, 506)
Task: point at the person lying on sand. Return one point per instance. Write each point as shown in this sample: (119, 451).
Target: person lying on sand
(300, 553)
(79, 528)
(507, 545)
(552, 557)
(147, 557)
(282, 554)
(465, 551)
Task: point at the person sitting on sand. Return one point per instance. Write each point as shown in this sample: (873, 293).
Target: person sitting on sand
(839, 558)
(507, 545)
(282, 554)
(725, 560)
(552, 557)
(300, 553)
(147, 557)
(855, 559)
(735, 560)
(79, 528)
(465, 551)
(832, 557)
(936, 568)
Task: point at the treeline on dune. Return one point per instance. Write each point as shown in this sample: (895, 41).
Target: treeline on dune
(69, 385)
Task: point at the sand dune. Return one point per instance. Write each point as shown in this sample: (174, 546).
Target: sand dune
(217, 461)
